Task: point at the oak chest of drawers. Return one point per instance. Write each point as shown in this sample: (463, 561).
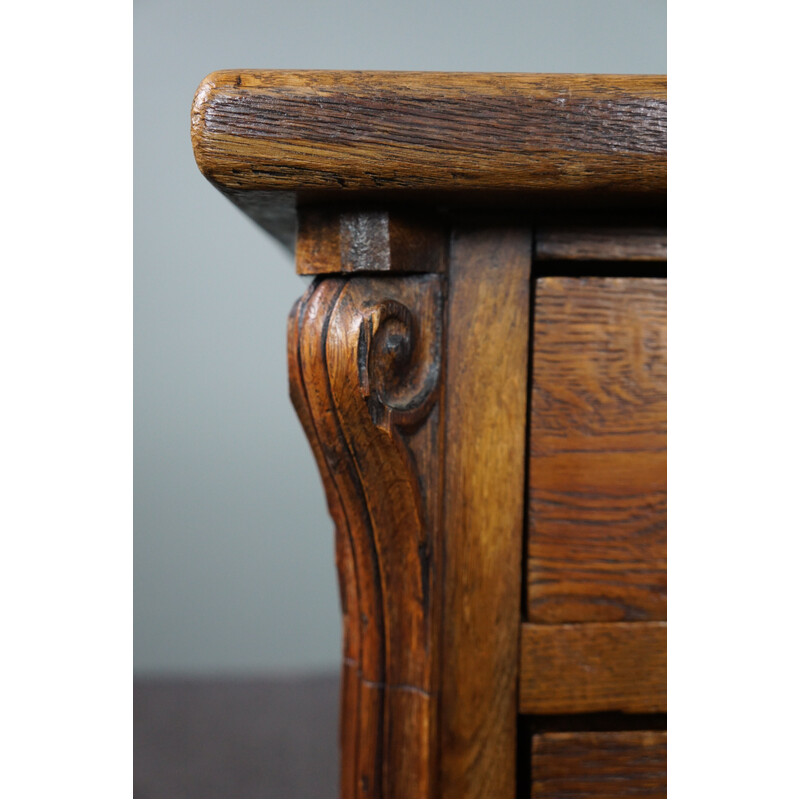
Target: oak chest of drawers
(480, 368)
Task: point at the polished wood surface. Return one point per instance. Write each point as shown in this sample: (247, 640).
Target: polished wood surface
(599, 764)
(272, 140)
(365, 375)
(389, 377)
(491, 433)
(597, 449)
(485, 413)
(578, 669)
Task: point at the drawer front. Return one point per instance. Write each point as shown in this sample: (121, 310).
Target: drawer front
(593, 667)
(597, 451)
(599, 764)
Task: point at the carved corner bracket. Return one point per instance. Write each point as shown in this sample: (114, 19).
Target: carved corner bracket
(365, 378)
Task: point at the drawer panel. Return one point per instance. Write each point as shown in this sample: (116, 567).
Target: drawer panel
(597, 498)
(604, 764)
(576, 669)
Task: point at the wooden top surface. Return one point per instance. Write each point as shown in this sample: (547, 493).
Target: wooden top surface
(272, 139)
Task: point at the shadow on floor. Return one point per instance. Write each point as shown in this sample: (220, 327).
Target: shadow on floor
(199, 738)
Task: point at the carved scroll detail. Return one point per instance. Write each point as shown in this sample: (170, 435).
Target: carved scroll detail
(365, 355)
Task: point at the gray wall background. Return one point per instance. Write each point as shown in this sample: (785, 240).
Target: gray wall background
(233, 547)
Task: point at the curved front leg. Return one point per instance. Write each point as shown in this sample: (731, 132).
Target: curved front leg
(365, 376)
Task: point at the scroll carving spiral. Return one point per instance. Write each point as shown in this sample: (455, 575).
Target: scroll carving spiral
(397, 380)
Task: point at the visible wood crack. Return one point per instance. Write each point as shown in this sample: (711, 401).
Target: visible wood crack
(396, 687)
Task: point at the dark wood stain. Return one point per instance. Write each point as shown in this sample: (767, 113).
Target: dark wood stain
(377, 363)
(618, 123)
(344, 241)
(597, 472)
(485, 462)
(599, 764)
(575, 243)
(498, 138)
(364, 377)
(485, 411)
(593, 667)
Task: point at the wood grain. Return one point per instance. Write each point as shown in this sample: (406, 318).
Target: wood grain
(365, 363)
(599, 764)
(271, 140)
(597, 471)
(571, 243)
(409, 363)
(376, 365)
(286, 130)
(485, 411)
(577, 669)
(332, 240)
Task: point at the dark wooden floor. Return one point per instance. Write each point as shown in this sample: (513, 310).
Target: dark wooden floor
(197, 738)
